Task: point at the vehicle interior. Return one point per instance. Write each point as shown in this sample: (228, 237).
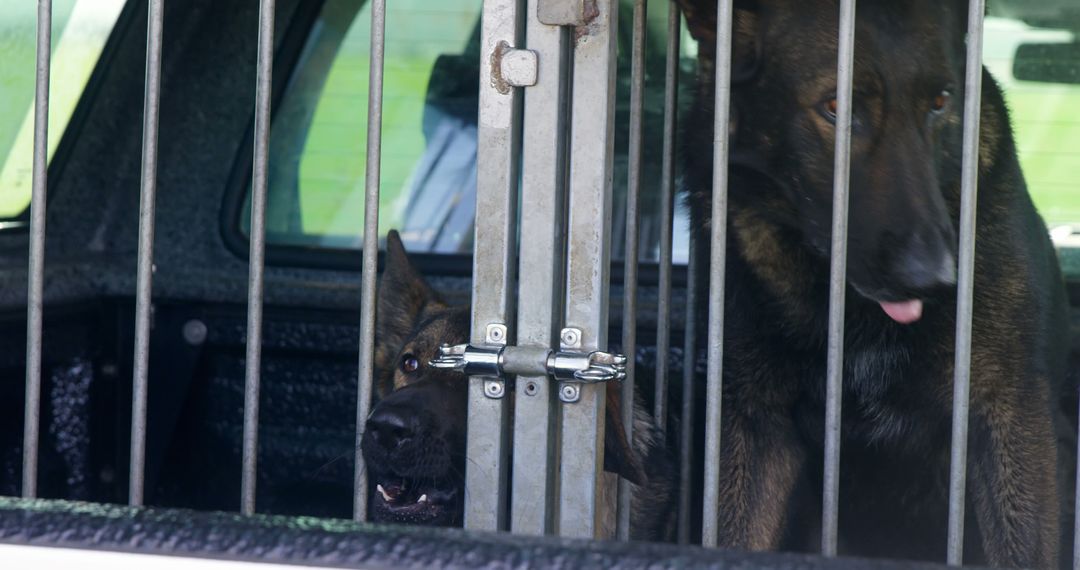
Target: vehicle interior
(311, 330)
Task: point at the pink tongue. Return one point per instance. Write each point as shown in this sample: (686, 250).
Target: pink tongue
(905, 312)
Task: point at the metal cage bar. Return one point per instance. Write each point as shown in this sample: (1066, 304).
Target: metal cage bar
(257, 254)
(838, 278)
(540, 260)
(630, 258)
(145, 276)
(36, 276)
(497, 165)
(586, 494)
(689, 378)
(667, 214)
(969, 184)
(1076, 509)
(663, 325)
(372, 178)
(717, 267)
(689, 333)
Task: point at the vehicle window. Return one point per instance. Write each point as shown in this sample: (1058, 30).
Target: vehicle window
(1039, 68)
(316, 179)
(429, 128)
(80, 29)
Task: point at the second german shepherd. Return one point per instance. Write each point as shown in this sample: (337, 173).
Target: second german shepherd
(900, 319)
(414, 439)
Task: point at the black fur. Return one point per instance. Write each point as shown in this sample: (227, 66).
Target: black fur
(897, 395)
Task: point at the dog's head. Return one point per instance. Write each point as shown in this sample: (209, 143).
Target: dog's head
(414, 439)
(906, 133)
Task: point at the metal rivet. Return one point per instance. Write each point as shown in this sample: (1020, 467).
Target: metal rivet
(495, 333)
(494, 389)
(531, 388)
(195, 332)
(571, 337)
(569, 393)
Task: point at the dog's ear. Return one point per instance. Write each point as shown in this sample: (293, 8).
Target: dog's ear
(403, 298)
(747, 32)
(619, 456)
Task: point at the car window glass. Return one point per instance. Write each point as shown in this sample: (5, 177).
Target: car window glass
(428, 169)
(80, 30)
(1043, 102)
(429, 125)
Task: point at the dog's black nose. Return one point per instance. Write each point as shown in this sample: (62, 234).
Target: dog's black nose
(390, 427)
(928, 260)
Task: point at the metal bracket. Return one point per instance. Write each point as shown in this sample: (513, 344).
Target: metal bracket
(566, 12)
(511, 67)
(569, 368)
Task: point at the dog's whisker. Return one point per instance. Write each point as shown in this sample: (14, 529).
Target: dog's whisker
(327, 464)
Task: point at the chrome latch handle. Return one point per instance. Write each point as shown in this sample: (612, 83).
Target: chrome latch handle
(591, 368)
(565, 366)
(470, 360)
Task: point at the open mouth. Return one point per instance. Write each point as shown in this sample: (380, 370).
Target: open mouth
(413, 501)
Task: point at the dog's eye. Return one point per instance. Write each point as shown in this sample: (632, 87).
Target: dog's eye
(409, 363)
(830, 108)
(940, 102)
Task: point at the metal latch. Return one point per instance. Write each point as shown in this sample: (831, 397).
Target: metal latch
(568, 367)
(512, 67)
(566, 12)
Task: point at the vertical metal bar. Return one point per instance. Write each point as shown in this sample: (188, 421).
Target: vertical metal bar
(1076, 509)
(497, 165)
(838, 278)
(686, 427)
(257, 250)
(540, 260)
(718, 260)
(36, 277)
(966, 280)
(630, 261)
(585, 494)
(144, 284)
(372, 177)
(667, 213)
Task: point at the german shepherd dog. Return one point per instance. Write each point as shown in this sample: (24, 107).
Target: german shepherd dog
(414, 439)
(900, 319)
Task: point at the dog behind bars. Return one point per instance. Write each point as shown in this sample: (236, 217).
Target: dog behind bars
(414, 439)
(901, 299)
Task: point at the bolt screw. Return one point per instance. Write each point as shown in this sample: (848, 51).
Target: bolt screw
(569, 393)
(493, 389)
(571, 337)
(496, 333)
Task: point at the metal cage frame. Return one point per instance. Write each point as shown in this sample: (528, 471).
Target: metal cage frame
(566, 104)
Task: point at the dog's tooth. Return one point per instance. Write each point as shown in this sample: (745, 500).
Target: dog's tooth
(422, 499)
(386, 496)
